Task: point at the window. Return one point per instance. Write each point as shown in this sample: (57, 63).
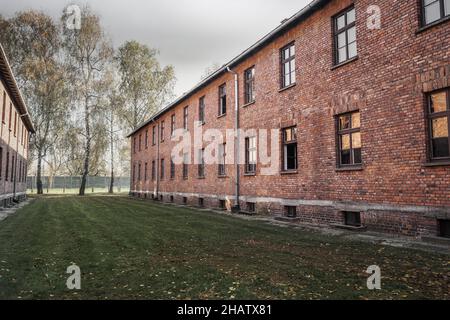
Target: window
(352, 219)
(171, 198)
(439, 125)
(161, 198)
(222, 159)
(290, 149)
(154, 135)
(139, 172)
(134, 144)
(250, 155)
(185, 117)
(185, 165)
(434, 10)
(290, 211)
(10, 115)
(288, 65)
(146, 139)
(1, 162)
(162, 130)
(344, 26)
(251, 207)
(222, 204)
(20, 170)
(172, 125)
(153, 170)
(4, 107)
(201, 165)
(15, 123)
(13, 165)
(140, 142)
(222, 100)
(185, 200)
(349, 139)
(163, 169)
(172, 169)
(444, 228)
(134, 173)
(145, 172)
(201, 110)
(249, 85)
(201, 202)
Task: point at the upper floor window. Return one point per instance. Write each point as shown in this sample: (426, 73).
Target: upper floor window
(172, 124)
(344, 25)
(146, 138)
(434, 10)
(222, 100)
(201, 110)
(163, 128)
(288, 65)
(290, 149)
(154, 135)
(185, 117)
(140, 142)
(4, 106)
(250, 155)
(249, 85)
(134, 144)
(439, 125)
(349, 139)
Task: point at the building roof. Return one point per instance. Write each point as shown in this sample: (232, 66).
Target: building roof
(282, 28)
(8, 78)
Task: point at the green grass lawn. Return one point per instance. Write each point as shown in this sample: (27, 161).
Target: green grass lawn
(129, 249)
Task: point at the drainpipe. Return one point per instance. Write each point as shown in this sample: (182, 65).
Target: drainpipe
(158, 139)
(237, 139)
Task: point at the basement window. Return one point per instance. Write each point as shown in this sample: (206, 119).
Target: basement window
(222, 204)
(290, 211)
(444, 228)
(161, 198)
(251, 207)
(352, 219)
(201, 202)
(171, 198)
(184, 200)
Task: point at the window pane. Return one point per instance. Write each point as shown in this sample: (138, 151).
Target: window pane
(292, 50)
(351, 34)
(351, 16)
(344, 122)
(447, 7)
(356, 120)
(341, 40)
(340, 22)
(345, 157)
(292, 66)
(291, 156)
(440, 148)
(345, 142)
(440, 128)
(357, 156)
(356, 140)
(352, 50)
(342, 55)
(286, 54)
(438, 102)
(433, 12)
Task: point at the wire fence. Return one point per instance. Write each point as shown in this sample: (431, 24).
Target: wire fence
(62, 184)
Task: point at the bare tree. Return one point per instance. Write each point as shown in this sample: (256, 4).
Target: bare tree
(88, 54)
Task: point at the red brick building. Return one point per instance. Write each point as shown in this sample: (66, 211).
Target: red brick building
(360, 94)
(15, 130)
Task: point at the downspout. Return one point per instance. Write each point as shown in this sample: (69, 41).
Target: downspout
(157, 159)
(237, 139)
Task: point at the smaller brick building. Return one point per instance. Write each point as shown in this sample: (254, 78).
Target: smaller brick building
(15, 130)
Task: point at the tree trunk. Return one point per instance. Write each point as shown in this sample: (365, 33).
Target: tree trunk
(88, 149)
(111, 133)
(39, 186)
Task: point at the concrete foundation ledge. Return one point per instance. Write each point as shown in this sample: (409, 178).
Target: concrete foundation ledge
(436, 240)
(346, 227)
(288, 219)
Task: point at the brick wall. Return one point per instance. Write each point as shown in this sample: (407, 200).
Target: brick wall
(396, 67)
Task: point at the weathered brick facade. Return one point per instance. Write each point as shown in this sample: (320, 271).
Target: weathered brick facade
(396, 189)
(15, 129)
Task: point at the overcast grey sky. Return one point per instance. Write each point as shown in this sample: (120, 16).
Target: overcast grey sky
(190, 34)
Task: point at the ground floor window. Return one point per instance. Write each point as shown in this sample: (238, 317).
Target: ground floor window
(444, 228)
(349, 139)
(439, 125)
(290, 211)
(250, 155)
(352, 219)
(290, 149)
